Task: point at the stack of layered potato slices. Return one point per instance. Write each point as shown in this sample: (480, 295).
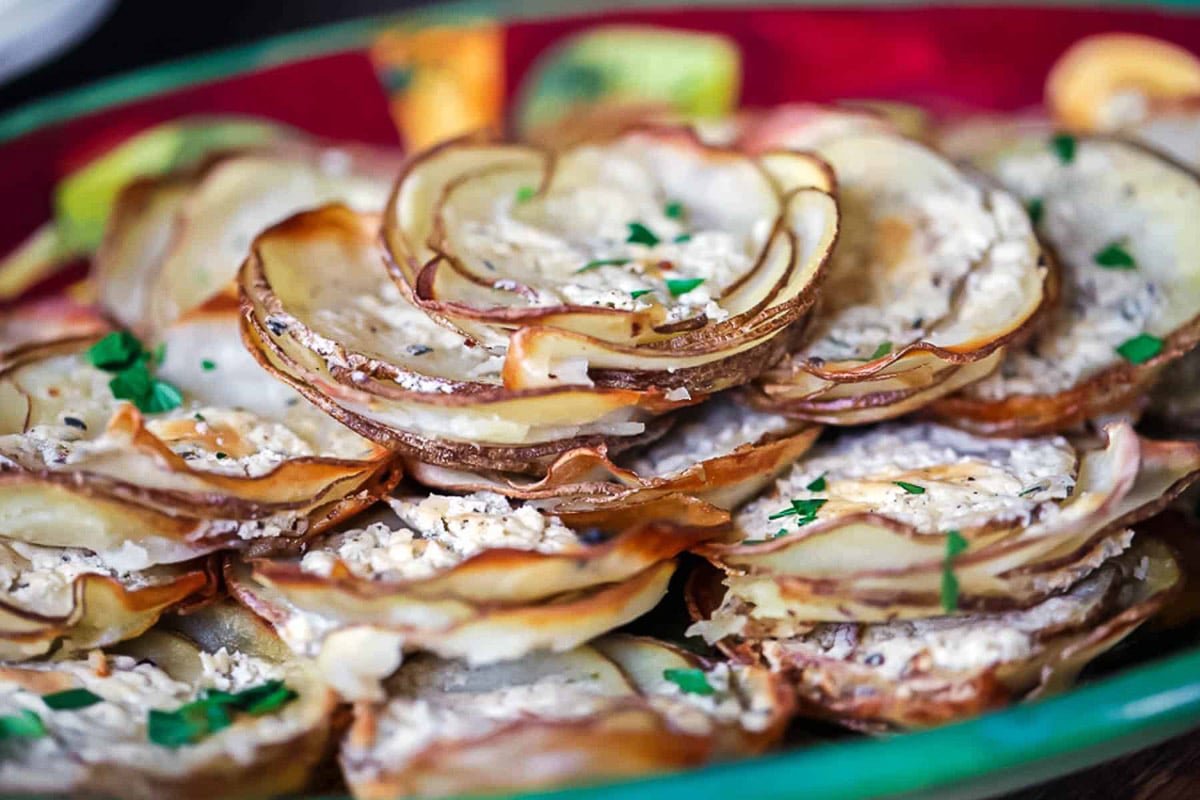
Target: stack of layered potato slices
(360, 466)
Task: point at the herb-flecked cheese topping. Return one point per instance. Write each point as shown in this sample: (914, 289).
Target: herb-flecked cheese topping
(436, 533)
(955, 480)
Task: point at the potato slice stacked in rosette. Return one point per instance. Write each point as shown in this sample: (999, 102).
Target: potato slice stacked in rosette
(924, 528)
(1119, 221)
(933, 275)
(157, 454)
(649, 260)
(619, 707)
(215, 702)
(473, 577)
(175, 241)
(719, 452)
(321, 313)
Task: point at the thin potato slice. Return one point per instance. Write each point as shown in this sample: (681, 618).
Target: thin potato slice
(469, 577)
(621, 260)
(242, 462)
(1119, 221)
(933, 274)
(930, 671)
(600, 711)
(722, 453)
(103, 749)
(350, 342)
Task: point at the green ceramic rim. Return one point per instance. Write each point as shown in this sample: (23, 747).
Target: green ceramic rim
(1016, 747)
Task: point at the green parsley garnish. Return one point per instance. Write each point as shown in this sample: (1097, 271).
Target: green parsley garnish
(602, 262)
(956, 545)
(673, 210)
(881, 351)
(1064, 147)
(773, 537)
(682, 286)
(1030, 490)
(160, 353)
(683, 237)
(911, 488)
(636, 293)
(25, 725)
(207, 365)
(817, 484)
(114, 352)
(212, 712)
(122, 354)
(690, 681)
(805, 511)
(1035, 209)
(525, 194)
(640, 234)
(221, 456)
(1114, 256)
(1140, 348)
(71, 699)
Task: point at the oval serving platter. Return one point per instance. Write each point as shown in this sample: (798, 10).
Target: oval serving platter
(362, 81)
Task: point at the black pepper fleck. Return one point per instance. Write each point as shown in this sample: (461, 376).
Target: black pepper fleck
(873, 660)
(419, 349)
(276, 327)
(75, 422)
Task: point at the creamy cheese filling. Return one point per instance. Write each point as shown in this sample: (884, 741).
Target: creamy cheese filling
(576, 244)
(718, 428)
(964, 643)
(114, 730)
(436, 533)
(954, 480)
(1085, 210)
(41, 579)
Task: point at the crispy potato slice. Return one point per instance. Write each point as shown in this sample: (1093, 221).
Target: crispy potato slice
(929, 671)
(471, 577)
(104, 749)
(599, 711)
(933, 274)
(242, 462)
(620, 259)
(721, 452)
(1119, 221)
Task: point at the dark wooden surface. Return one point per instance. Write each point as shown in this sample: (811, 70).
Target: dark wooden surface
(1168, 772)
(142, 32)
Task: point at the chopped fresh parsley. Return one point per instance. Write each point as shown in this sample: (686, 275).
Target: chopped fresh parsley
(212, 712)
(640, 234)
(817, 484)
(160, 353)
(221, 456)
(881, 351)
(71, 699)
(25, 725)
(956, 545)
(602, 262)
(525, 194)
(805, 511)
(122, 354)
(208, 365)
(1030, 490)
(1035, 208)
(683, 237)
(1114, 256)
(636, 293)
(673, 210)
(1064, 147)
(682, 286)
(114, 352)
(1140, 348)
(911, 488)
(690, 681)
(198, 417)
